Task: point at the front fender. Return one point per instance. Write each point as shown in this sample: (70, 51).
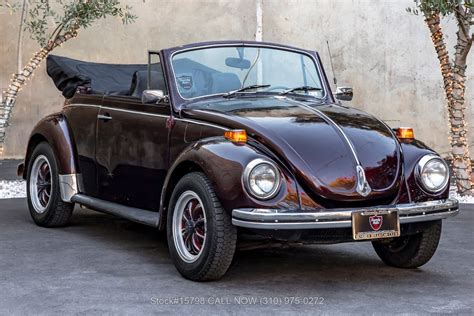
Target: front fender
(53, 129)
(413, 150)
(223, 162)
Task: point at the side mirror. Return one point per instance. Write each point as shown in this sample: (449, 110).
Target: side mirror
(152, 96)
(344, 93)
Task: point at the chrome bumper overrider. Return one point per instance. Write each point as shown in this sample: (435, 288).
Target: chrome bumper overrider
(336, 218)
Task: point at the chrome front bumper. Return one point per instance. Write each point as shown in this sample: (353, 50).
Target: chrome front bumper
(337, 218)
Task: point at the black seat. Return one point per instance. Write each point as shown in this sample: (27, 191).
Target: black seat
(139, 82)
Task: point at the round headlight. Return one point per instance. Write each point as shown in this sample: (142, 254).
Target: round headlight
(262, 179)
(433, 173)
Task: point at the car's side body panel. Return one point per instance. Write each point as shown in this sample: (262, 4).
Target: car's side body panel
(55, 130)
(81, 113)
(132, 151)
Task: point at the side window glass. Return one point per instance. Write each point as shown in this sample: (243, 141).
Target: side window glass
(155, 76)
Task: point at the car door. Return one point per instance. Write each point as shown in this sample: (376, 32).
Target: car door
(132, 151)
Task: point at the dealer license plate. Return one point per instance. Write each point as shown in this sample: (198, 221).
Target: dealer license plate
(375, 224)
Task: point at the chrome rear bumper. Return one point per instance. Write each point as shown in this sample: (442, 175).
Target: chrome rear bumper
(337, 218)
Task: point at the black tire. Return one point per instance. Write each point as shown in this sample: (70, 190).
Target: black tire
(411, 251)
(220, 238)
(56, 213)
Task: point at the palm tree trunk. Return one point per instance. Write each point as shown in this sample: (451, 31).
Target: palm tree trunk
(462, 161)
(453, 79)
(20, 79)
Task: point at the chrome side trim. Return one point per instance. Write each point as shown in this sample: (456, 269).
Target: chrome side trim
(337, 218)
(82, 104)
(201, 123)
(69, 185)
(151, 114)
(116, 109)
(134, 112)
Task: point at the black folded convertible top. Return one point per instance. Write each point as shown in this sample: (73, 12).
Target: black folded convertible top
(113, 79)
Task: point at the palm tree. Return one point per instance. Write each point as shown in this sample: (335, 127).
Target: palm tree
(454, 77)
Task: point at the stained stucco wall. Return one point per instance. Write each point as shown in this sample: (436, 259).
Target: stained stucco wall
(377, 47)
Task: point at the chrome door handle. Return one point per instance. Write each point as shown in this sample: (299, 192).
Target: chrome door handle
(104, 117)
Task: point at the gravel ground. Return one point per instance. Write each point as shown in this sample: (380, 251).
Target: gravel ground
(10, 189)
(461, 199)
(17, 189)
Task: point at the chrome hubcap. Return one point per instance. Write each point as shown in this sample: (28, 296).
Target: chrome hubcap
(189, 226)
(40, 184)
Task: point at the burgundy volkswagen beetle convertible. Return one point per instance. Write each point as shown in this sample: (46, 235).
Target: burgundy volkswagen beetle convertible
(210, 141)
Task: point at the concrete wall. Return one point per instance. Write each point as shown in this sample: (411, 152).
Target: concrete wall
(378, 48)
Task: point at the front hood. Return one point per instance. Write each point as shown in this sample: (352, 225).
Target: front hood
(310, 139)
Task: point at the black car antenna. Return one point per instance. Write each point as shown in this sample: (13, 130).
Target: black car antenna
(332, 66)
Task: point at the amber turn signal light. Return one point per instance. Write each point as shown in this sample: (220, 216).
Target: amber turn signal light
(236, 135)
(405, 133)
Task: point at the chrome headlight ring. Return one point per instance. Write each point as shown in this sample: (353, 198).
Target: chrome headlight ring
(423, 179)
(250, 183)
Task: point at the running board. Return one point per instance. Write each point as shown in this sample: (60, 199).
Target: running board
(133, 214)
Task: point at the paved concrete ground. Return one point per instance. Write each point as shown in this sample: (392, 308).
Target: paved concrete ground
(8, 169)
(101, 264)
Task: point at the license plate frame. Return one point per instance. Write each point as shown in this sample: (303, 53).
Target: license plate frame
(375, 224)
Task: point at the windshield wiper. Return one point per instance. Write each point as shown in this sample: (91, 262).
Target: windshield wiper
(302, 88)
(255, 86)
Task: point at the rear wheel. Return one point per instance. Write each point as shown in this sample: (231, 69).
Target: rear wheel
(411, 251)
(200, 233)
(44, 198)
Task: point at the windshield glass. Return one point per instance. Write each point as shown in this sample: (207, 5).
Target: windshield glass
(219, 70)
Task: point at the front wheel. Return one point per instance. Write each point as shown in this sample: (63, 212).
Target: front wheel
(200, 233)
(411, 251)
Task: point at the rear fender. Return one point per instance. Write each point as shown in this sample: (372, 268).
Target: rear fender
(54, 130)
